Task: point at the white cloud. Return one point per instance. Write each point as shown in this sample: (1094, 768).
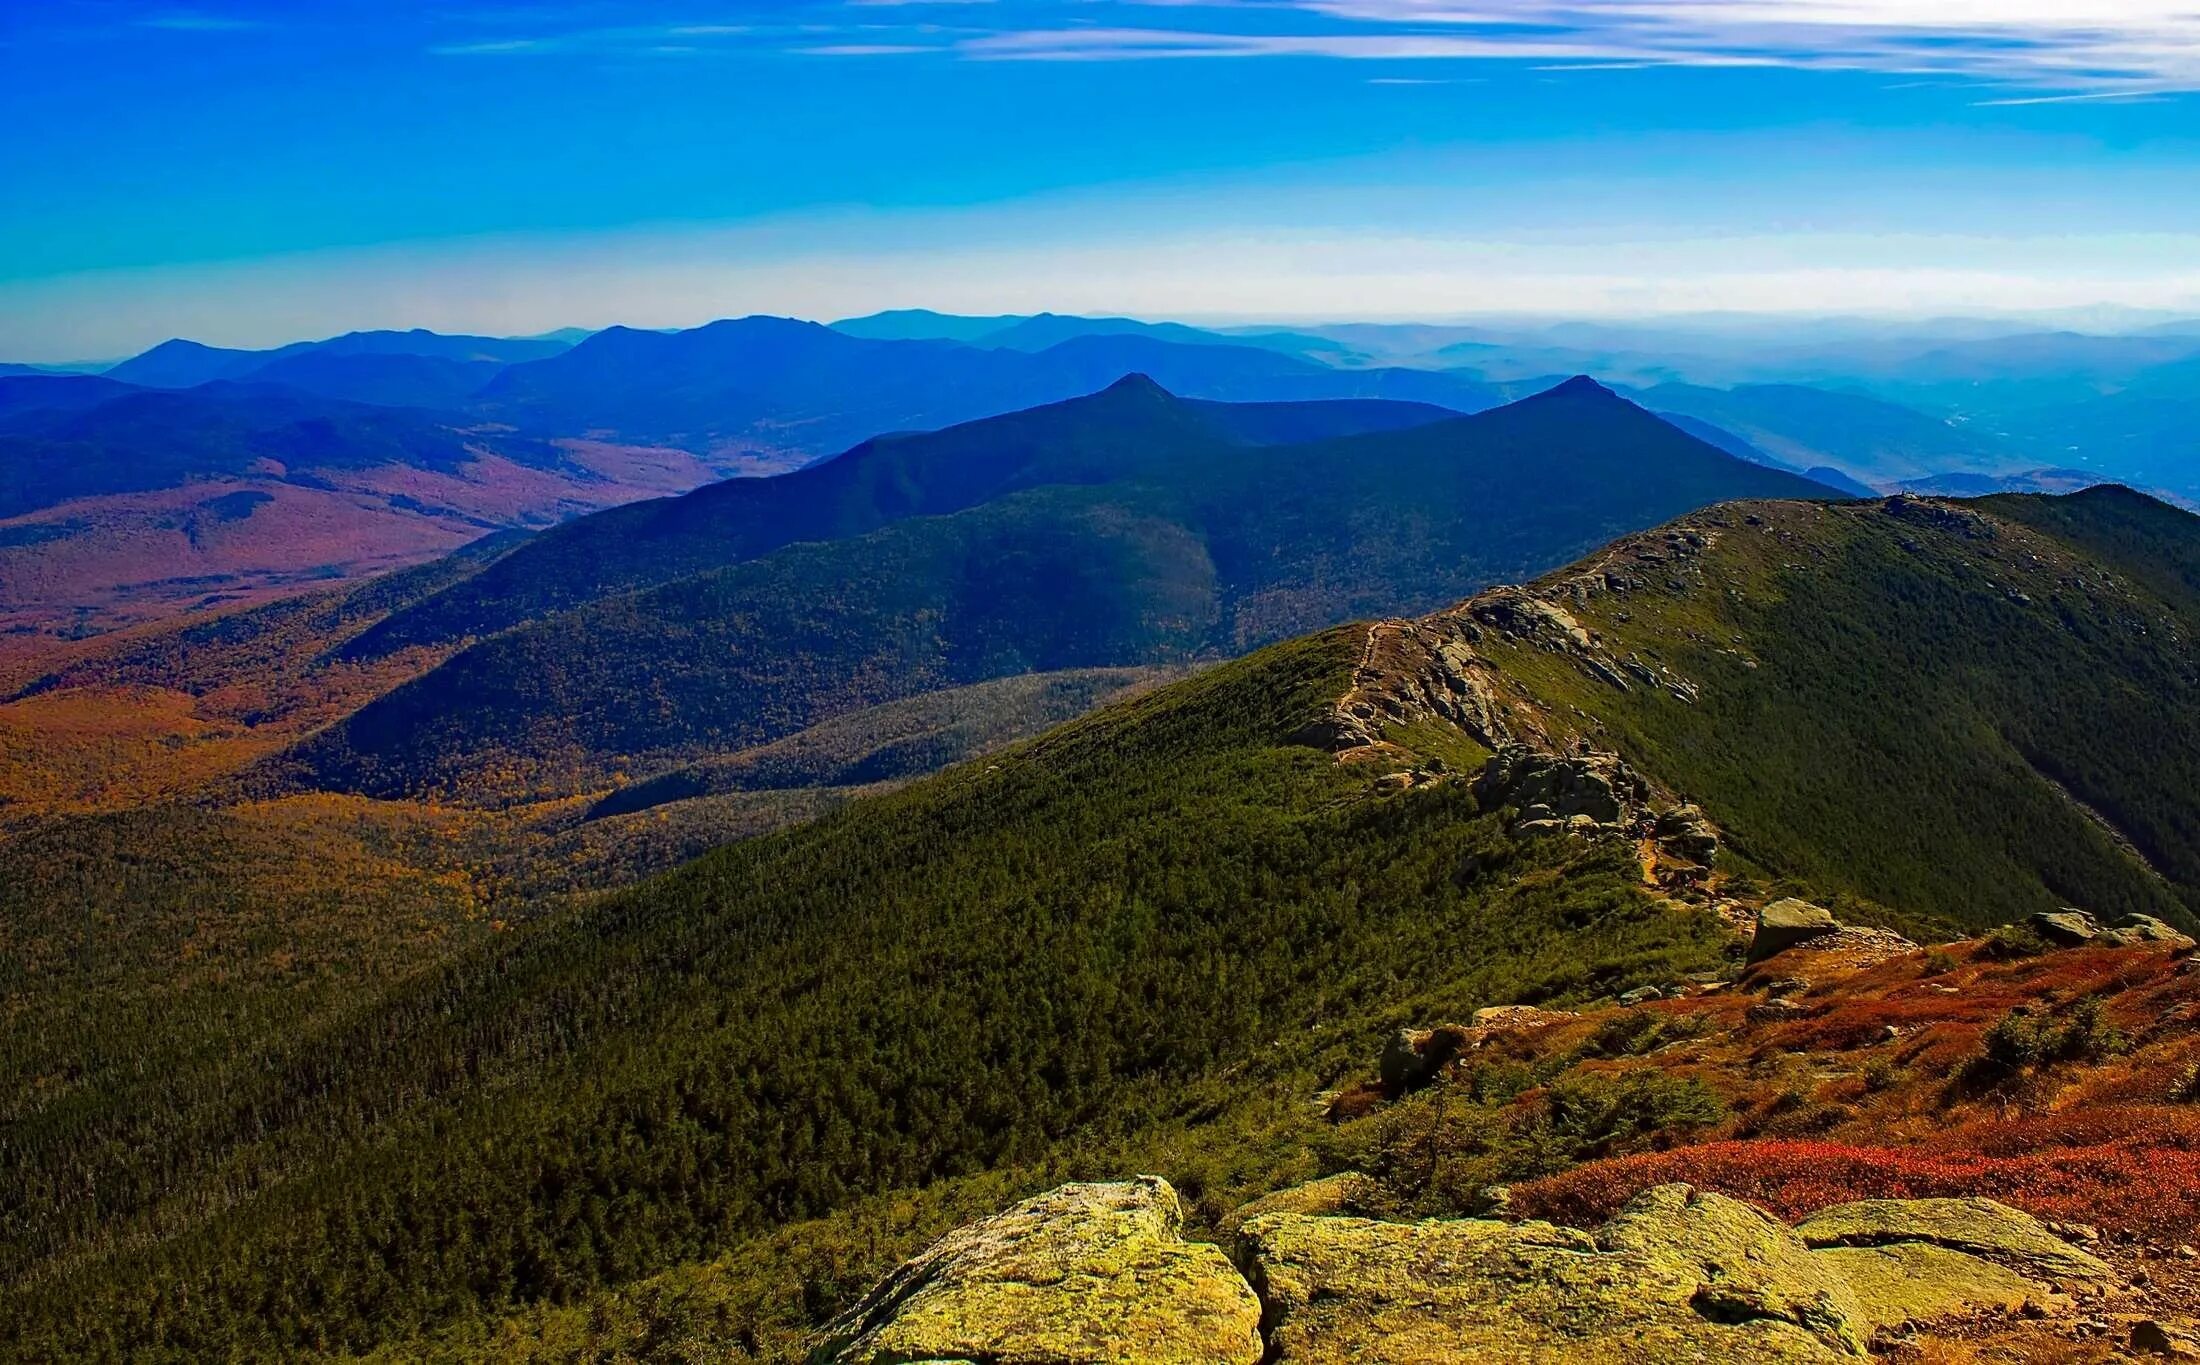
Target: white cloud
(2145, 45)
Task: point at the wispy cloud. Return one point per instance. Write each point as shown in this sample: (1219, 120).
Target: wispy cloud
(865, 49)
(2124, 96)
(186, 21)
(2077, 45)
(2115, 48)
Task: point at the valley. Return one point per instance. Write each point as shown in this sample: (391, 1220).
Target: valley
(636, 913)
(443, 1097)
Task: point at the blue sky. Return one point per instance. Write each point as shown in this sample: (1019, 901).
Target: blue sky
(249, 172)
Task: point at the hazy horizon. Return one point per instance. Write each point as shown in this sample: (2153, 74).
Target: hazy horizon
(1710, 327)
(249, 172)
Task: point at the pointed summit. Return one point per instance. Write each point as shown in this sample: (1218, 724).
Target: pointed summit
(1137, 383)
(1580, 386)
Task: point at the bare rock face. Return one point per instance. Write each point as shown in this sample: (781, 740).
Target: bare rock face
(1082, 1275)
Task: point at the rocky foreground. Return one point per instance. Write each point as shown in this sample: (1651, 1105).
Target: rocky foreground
(1919, 1075)
(1101, 1273)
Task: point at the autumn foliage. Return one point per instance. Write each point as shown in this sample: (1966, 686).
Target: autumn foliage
(2143, 1179)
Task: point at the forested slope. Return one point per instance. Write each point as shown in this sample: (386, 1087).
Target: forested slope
(1135, 534)
(1140, 942)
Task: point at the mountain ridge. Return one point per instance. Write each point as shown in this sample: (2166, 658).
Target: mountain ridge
(1176, 921)
(1121, 529)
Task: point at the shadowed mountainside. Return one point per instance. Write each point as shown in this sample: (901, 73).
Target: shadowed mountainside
(1125, 528)
(1170, 924)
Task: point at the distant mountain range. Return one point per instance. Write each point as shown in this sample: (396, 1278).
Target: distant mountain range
(125, 503)
(1130, 527)
(773, 385)
(182, 364)
(115, 516)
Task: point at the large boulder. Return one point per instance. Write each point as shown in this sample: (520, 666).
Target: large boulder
(1679, 1276)
(1589, 792)
(2065, 928)
(2134, 930)
(1684, 832)
(1983, 1228)
(1347, 1192)
(1917, 1282)
(1083, 1275)
(1414, 1056)
(1785, 923)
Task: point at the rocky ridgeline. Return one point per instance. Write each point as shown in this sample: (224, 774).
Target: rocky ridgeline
(1435, 669)
(1432, 667)
(1100, 1274)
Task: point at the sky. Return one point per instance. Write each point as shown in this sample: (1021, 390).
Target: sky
(250, 172)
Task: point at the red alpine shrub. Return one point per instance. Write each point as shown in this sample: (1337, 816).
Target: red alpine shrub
(2141, 1174)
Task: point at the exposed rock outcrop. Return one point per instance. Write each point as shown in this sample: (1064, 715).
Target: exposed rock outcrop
(1982, 1228)
(1083, 1275)
(1583, 792)
(1785, 923)
(1095, 1273)
(2065, 928)
(1679, 1275)
(2132, 930)
(1411, 671)
(1937, 515)
(2073, 928)
(1791, 925)
(1412, 1057)
(1349, 1289)
(1685, 833)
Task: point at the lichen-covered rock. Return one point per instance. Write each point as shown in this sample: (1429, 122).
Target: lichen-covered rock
(1099, 1275)
(1910, 1283)
(1785, 923)
(2066, 928)
(1751, 1267)
(1679, 1276)
(1982, 1228)
(1343, 1193)
(2133, 930)
(1083, 1275)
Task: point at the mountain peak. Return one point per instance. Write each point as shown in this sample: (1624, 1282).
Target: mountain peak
(1580, 386)
(1137, 382)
